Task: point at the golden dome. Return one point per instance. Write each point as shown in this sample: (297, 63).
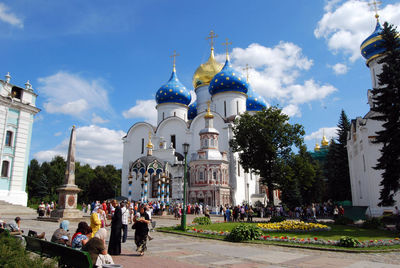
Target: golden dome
(206, 71)
(324, 141)
(316, 148)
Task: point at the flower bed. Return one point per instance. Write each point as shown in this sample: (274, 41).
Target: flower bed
(293, 226)
(311, 240)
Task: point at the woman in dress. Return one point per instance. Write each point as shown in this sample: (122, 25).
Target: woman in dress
(95, 221)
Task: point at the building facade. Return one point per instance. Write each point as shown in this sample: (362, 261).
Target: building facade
(17, 110)
(363, 153)
(215, 176)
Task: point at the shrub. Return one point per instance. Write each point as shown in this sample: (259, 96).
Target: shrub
(202, 220)
(348, 242)
(342, 220)
(13, 254)
(372, 223)
(244, 232)
(277, 219)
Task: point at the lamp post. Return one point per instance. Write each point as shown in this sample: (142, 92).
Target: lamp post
(185, 152)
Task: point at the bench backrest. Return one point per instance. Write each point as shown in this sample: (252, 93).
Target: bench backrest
(4, 231)
(67, 256)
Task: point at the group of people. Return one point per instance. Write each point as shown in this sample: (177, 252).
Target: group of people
(45, 209)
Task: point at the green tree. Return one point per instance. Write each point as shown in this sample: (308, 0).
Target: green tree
(336, 166)
(34, 177)
(387, 106)
(106, 184)
(83, 176)
(264, 139)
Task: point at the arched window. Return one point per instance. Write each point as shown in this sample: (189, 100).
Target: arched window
(9, 136)
(4, 168)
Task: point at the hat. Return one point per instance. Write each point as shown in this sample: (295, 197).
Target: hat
(137, 215)
(64, 237)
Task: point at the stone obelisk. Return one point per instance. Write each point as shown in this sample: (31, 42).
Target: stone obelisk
(68, 192)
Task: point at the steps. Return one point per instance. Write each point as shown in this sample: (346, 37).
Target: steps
(7, 210)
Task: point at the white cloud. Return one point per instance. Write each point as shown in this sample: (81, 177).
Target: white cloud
(275, 73)
(339, 68)
(58, 134)
(329, 132)
(71, 94)
(94, 146)
(98, 120)
(346, 25)
(9, 17)
(143, 109)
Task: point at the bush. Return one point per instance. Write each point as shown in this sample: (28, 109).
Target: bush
(244, 232)
(372, 223)
(348, 242)
(202, 220)
(13, 254)
(342, 220)
(277, 219)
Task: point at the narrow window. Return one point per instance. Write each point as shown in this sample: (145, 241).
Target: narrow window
(9, 135)
(142, 146)
(163, 116)
(201, 175)
(364, 163)
(174, 113)
(4, 168)
(237, 107)
(238, 168)
(225, 108)
(173, 141)
(215, 175)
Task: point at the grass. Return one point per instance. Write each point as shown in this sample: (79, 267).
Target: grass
(335, 233)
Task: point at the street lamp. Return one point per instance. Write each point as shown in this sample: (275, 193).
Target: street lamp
(185, 152)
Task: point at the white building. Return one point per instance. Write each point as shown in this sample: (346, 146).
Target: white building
(363, 153)
(155, 172)
(17, 109)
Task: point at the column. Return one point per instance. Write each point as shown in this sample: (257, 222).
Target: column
(130, 177)
(159, 188)
(167, 190)
(146, 194)
(162, 190)
(142, 192)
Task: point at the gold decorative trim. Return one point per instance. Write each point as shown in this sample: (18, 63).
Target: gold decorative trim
(376, 38)
(373, 57)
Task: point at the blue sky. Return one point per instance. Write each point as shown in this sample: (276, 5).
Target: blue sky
(98, 64)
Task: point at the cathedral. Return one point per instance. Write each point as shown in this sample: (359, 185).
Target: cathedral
(362, 152)
(154, 155)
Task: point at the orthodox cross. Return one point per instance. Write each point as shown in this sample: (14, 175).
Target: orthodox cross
(246, 69)
(174, 58)
(375, 5)
(227, 43)
(211, 37)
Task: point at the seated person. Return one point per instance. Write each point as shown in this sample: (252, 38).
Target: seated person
(81, 236)
(2, 223)
(15, 227)
(61, 234)
(97, 249)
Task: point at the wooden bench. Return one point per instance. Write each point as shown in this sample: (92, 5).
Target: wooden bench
(4, 231)
(66, 256)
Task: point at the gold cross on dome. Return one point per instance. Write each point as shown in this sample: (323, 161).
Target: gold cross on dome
(246, 69)
(211, 37)
(174, 58)
(227, 43)
(375, 5)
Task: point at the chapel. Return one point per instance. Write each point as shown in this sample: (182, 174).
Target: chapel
(154, 155)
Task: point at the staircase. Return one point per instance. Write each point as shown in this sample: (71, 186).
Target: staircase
(8, 210)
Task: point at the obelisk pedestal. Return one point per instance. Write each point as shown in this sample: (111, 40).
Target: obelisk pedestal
(68, 192)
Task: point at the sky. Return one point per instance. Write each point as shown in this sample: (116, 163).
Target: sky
(98, 64)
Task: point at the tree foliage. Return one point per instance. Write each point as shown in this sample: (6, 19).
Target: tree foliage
(264, 142)
(387, 106)
(336, 166)
(100, 183)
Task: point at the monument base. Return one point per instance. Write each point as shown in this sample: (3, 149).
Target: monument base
(67, 213)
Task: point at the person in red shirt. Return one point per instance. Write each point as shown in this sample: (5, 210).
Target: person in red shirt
(104, 207)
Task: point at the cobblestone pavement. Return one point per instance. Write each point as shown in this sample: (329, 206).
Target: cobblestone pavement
(169, 250)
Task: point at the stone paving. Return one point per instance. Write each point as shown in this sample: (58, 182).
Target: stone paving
(169, 250)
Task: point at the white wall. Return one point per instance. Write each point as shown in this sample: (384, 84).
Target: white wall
(165, 110)
(235, 102)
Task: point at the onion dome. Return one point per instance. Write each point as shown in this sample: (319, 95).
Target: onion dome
(324, 141)
(372, 47)
(173, 92)
(206, 71)
(192, 113)
(255, 102)
(228, 79)
(317, 148)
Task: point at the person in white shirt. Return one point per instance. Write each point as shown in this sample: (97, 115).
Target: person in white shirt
(125, 220)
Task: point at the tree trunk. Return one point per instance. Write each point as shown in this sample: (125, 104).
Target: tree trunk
(270, 194)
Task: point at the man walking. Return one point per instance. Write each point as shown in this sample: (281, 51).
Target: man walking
(125, 220)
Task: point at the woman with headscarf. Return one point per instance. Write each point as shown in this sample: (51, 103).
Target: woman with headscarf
(114, 246)
(61, 235)
(81, 236)
(96, 247)
(95, 221)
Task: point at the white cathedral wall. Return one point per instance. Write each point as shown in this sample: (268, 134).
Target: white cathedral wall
(234, 102)
(375, 69)
(174, 126)
(202, 97)
(165, 110)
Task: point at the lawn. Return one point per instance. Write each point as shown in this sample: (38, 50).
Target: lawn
(335, 233)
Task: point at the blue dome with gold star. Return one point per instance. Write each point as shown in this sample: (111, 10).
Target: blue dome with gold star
(372, 47)
(173, 92)
(192, 113)
(228, 79)
(255, 102)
